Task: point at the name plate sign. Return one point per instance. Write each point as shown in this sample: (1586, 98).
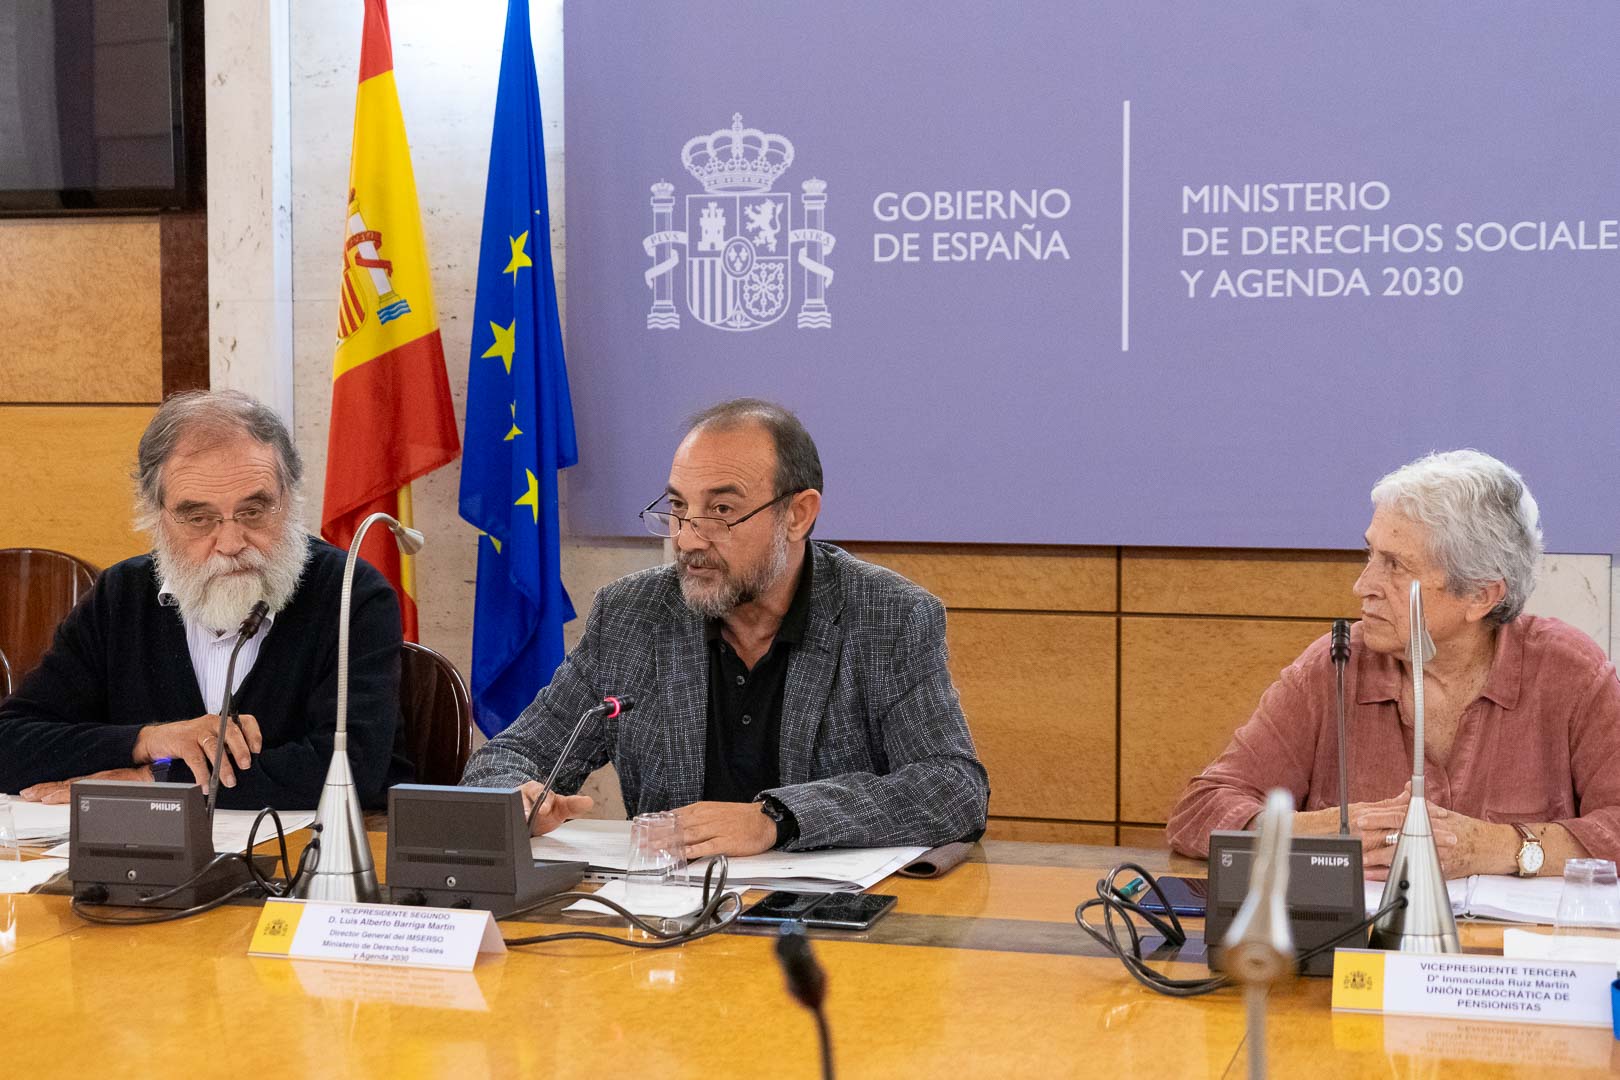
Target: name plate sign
(375, 934)
(1477, 987)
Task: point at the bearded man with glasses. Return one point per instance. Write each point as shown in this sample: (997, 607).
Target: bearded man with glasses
(786, 693)
(132, 684)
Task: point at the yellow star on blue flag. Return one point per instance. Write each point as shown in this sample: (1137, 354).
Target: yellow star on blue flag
(505, 343)
(519, 259)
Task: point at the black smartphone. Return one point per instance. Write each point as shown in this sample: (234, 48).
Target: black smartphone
(849, 911)
(1187, 896)
(780, 907)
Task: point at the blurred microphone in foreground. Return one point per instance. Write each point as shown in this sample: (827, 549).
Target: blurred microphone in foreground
(807, 983)
(1259, 948)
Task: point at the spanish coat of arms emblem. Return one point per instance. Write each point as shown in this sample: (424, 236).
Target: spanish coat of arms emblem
(739, 238)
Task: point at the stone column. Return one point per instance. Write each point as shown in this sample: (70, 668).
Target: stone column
(248, 69)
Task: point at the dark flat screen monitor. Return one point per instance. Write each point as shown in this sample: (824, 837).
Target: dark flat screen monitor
(92, 115)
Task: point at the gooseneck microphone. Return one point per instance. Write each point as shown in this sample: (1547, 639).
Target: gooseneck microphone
(1426, 923)
(807, 982)
(344, 870)
(227, 706)
(1339, 650)
(611, 708)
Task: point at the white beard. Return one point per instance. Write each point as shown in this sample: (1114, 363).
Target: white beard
(212, 595)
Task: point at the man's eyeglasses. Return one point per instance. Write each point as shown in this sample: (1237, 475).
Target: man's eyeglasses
(198, 524)
(711, 530)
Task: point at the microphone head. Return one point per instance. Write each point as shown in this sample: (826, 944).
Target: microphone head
(805, 979)
(255, 619)
(1339, 642)
(410, 540)
(618, 706)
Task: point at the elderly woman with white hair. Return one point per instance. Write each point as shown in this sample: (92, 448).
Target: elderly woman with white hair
(1522, 712)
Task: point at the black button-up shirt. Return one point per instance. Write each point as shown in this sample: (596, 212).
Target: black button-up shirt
(745, 707)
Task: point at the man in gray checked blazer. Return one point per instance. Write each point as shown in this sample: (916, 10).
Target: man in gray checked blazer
(786, 693)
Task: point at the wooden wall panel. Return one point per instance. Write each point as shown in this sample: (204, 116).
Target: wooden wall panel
(1143, 837)
(81, 304)
(1048, 832)
(1007, 578)
(66, 481)
(1185, 686)
(1039, 691)
(1196, 582)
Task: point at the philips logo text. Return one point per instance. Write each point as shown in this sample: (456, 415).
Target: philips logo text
(174, 806)
(1330, 860)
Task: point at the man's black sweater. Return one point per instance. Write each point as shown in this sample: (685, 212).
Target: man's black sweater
(120, 661)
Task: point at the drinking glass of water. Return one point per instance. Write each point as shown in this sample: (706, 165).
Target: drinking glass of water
(657, 857)
(10, 846)
(1589, 906)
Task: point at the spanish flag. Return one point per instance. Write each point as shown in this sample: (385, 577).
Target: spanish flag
(392, 417)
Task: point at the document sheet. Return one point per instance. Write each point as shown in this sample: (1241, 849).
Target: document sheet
(605, 846)
(1494, 896)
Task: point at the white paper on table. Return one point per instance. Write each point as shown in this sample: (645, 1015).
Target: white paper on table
(1495, 896)
(1515, 899)
(231, 828)
(27, 874)
(604, 845)
(1529, 945)
(666, 901)
(1456, 888)
(38, 823)
(834, 870)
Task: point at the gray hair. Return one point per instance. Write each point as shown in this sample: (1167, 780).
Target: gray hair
(798, 464)
(1483, 523)
(214, 416)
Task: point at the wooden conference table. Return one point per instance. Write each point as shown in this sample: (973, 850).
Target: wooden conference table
(981, 973)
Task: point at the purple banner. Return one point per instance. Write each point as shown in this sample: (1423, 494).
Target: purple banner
(1100, 273)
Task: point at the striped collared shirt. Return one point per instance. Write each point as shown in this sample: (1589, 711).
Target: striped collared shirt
(211, 653)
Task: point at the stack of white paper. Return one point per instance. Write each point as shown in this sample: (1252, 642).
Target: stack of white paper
(667, 901)
(835, 870)
(1530, 945)
(1494, 896)
(22, 876)
(605, 846)
(38, 823)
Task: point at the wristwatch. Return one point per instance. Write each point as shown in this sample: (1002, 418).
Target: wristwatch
(1530, 854)
(787, 826)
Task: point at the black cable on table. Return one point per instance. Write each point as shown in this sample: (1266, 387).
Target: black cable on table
(1115, 906)
(714, 917)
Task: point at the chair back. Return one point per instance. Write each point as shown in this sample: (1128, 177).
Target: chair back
(437, 713)
(38, 587)
(5, 676)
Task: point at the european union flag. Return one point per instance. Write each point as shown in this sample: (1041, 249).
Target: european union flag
(520, 421)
